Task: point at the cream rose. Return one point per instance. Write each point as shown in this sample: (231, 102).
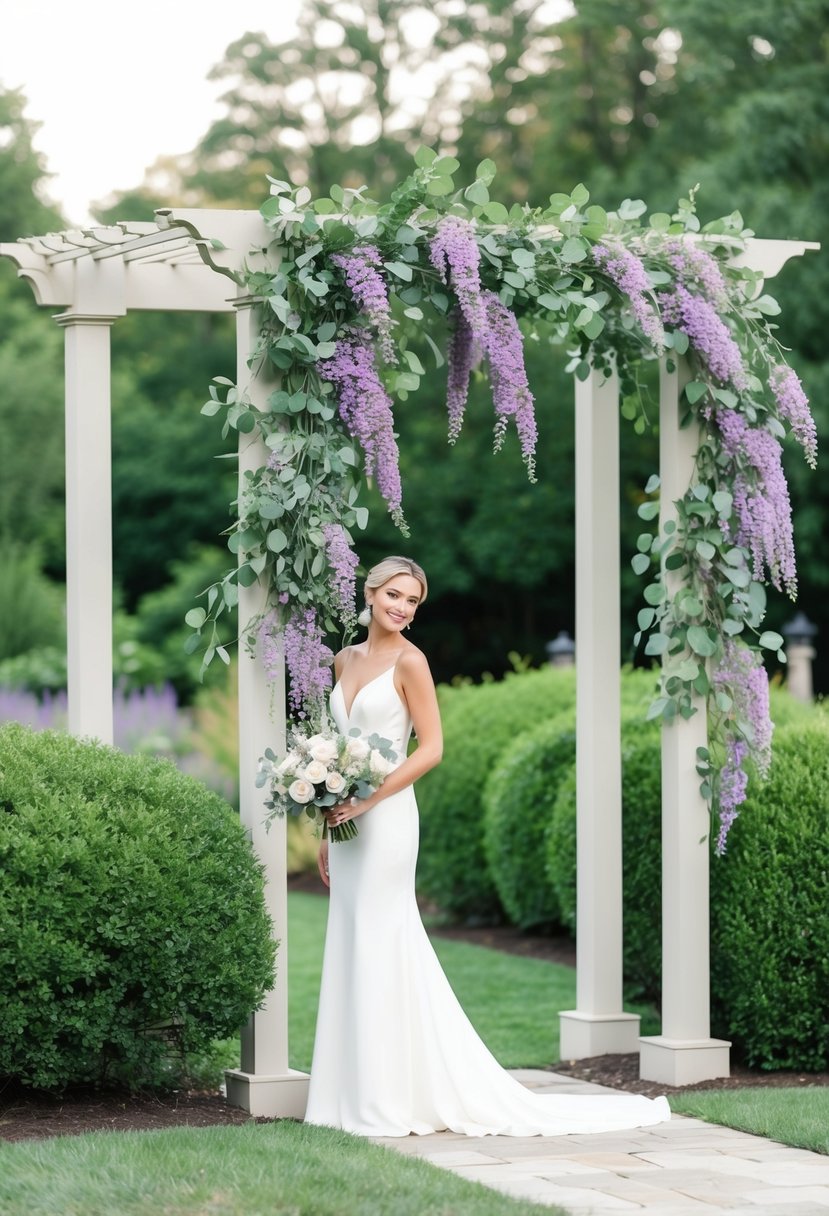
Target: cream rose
(301, 791)
(312, 742)
(324, 751)
(315, 771)
(357, 749)
(335, 783)
(379, 765)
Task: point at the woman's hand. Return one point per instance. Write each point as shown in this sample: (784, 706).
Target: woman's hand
(322, 863)
(348, 810)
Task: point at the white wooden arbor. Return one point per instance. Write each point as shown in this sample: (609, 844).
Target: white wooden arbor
(187, 261)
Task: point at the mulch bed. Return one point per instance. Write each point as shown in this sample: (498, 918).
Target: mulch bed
(25, 1115)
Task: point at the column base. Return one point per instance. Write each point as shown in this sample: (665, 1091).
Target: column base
(683, 1061)
(597, 1034)
(284, 1096)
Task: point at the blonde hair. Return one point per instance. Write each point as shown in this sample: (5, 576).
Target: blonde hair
(385, 570)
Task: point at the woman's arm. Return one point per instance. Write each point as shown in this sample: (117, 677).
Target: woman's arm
(415, 685)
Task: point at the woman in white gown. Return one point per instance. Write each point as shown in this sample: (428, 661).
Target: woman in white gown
(394, 1052)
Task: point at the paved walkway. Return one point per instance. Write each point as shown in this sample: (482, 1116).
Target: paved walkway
(682, 1168)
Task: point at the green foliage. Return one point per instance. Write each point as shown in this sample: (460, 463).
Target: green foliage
(518, 800)
(132, 913)
(798, 1115)
(31, 606)
(479, 724)
(769, 928)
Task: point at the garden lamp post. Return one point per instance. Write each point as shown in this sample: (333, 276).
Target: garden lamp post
(562, 650)
(799, 632)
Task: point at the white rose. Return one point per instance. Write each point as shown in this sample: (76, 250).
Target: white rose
(315, 772)
(308, 745)
(357, 748)
(379, 765)
(325, 751)
(301, 791)
(335, 783)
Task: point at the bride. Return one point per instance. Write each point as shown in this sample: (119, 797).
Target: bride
(394, 1052)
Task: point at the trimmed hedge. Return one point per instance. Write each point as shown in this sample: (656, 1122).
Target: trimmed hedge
(769, 917)
(132, 913)
(479, 722)
(518, 801)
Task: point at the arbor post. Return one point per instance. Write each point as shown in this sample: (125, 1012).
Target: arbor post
(88, 524)
(598, 1024)
(684, 1053)
(264, 1084)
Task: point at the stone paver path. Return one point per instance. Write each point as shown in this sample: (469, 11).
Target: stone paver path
(682, 1168)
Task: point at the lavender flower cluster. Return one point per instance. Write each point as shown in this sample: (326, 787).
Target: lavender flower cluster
(628, 273)
(366, 409)
(707, 332)
(762, 508)
(483, 325)
(698, 268)
(308, 661)
(794, 406)
(368, 287)
(343, 562)
(742, 676)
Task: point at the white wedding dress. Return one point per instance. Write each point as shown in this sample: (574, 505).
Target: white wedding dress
(394, 1051)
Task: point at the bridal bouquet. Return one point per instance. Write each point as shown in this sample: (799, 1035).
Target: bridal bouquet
(323, 770)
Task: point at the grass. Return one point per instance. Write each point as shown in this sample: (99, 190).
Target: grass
(279, 1169)
(799, 1117)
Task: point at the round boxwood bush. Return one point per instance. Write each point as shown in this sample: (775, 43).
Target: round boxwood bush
(132, 913)
(479, 722)
(518, 802)
(769, 922)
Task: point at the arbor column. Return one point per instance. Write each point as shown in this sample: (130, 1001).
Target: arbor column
(264, 1084)
(88, 524)
(598, 1024)
(684, 1052)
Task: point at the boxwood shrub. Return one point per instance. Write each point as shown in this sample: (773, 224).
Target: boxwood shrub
(479, 722)
(518, 801)
(132, 913)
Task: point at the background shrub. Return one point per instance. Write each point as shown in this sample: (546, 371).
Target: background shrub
(518, 801)
(131, 913)
(479, 722)
(769, 923)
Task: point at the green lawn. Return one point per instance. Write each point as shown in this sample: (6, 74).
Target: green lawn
(279, 1169)
(799, 1117)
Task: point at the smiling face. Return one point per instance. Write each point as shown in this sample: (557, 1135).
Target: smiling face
(393, 605)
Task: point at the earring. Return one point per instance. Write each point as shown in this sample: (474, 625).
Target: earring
(409, 625)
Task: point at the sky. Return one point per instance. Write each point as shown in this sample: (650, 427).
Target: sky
(116, 86)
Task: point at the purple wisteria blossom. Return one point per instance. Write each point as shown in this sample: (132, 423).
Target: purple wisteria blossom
(698, 268)
(271, 650)
(454, 253)
(308, 660)
(628, 273)
(343, 562)
(366, 409)
(461, 357)
(733, 787)
(510, 390)
(794, 406)
(368, 287)
(708, 333)
(762, 508)
(740, 673)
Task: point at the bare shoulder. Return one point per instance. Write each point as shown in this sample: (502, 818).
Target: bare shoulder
(342, 658)
(413, 665)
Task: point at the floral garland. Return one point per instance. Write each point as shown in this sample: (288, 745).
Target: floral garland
(356, 288)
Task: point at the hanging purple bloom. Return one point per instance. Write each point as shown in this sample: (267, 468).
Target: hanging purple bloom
(698, 268)
(762, 508)
(366, 409)
(733, 785)
(271, 652)
(461, 357)
(794, 406)
(343, 562)
(510, 390)
(454, 253)
(369, 289)
(308, 661)
(708, 334)
(740, 673)
(628, 273)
